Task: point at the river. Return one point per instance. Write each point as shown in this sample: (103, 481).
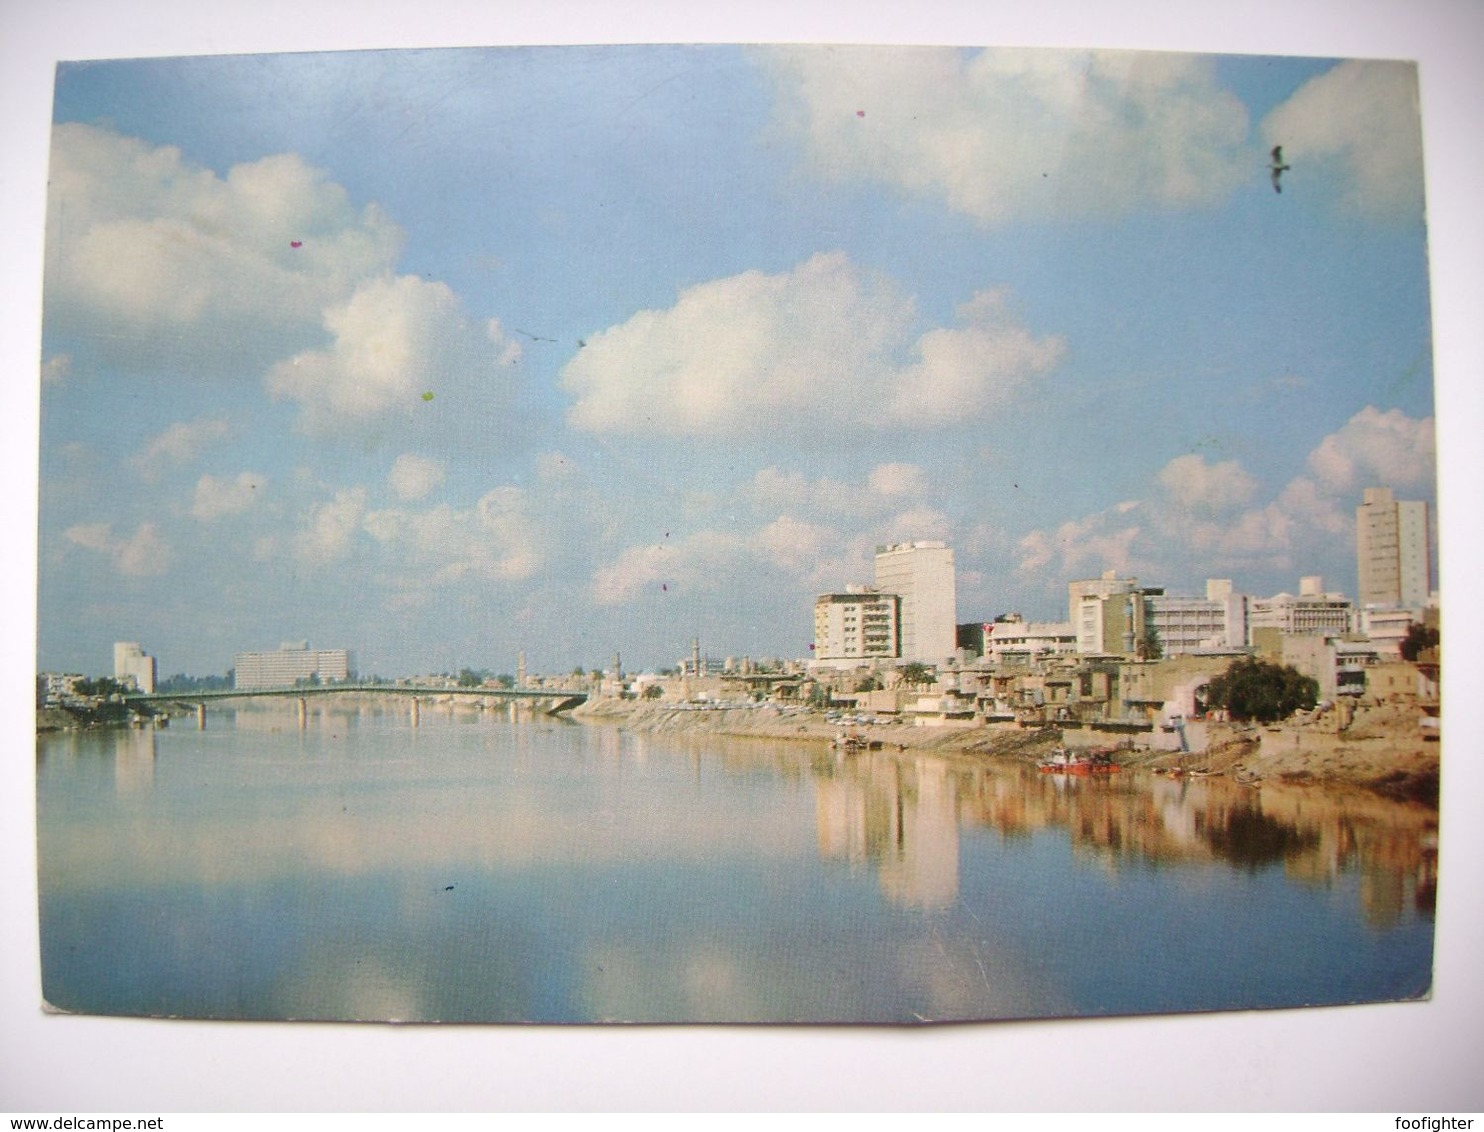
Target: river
(484, 867)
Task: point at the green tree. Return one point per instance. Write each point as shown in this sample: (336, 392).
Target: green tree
(1151, 647)
(653, 691)
(916, 674)
(868, 684)
(1419, 637)
(1253, 689)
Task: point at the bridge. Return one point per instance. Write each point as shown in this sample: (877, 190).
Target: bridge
(555, 700)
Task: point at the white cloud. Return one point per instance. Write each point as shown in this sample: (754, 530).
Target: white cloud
(413, 477)
(214, 498)
(1085, 547)
(180, 443)
(1213, 489)
(1376, 449)
(825, 345)
(1001, 134)
(160, 262)
(706, 560)
(1208, 518)
(331, 527)
(399, 344)
(887, 486)
(142, 554)
(1360, 120)
(495, 540)
(898, 480)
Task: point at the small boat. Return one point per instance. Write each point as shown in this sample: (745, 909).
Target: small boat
(1063, 761)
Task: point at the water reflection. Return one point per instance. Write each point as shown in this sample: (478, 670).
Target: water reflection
(902, 813)
(470, 869)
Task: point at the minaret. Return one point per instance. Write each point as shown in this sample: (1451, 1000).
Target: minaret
(520, 669)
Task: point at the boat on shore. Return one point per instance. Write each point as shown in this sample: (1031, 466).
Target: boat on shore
(1063, 761)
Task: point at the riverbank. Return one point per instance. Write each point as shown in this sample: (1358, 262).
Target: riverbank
(1381, 749)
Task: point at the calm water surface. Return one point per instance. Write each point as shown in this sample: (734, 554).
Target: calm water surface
(479, 868)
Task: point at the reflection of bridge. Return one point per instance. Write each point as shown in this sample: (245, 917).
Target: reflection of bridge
(555, 700)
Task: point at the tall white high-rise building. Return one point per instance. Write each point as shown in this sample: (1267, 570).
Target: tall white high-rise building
(921, 573)
(132, 665)
(1392, 550)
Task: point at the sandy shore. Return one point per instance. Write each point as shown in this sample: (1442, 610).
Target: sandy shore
(1381, 750)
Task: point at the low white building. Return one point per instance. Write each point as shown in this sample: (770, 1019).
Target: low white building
(1014, 640)
(293, 663)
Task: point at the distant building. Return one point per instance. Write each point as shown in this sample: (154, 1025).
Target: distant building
(1107, 614)
(921, 573)
(1014, 640)
(856, 627)
(1392, 550)
(1184, 625)
(293, 663)
(134, 667)
(1311, 611)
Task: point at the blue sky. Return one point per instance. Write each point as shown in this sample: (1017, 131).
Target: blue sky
(441, 355)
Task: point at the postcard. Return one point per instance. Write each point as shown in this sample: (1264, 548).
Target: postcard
(724, 533)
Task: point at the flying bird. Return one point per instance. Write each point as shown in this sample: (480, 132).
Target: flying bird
(532, 337)
(1278, 168)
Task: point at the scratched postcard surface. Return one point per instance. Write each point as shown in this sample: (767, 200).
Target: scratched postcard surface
(735, 534)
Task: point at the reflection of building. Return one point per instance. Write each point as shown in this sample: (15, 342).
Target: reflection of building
(1392, 550)
(294, 662)
(922, 573)
(133, 666)
(857, 626)
(902, 817)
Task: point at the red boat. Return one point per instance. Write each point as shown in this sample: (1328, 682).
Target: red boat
(1063, 761)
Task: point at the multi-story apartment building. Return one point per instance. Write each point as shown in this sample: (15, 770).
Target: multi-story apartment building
(294, 662)
(1311, 611)
(1392, 550)
(921, 574)
(1184, 625)
(133, 666)
(856, 627)
(1107, 614)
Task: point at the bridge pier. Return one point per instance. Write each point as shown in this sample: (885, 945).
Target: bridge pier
(200, 717)
(303, 712)
(415, 713)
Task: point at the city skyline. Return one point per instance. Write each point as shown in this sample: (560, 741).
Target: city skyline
(575, 350)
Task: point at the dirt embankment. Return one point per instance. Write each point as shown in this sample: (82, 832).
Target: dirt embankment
(1379, 748)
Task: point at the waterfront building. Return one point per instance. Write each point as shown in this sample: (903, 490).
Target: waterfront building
(1311, 611)
(857, 627)
(1386, 628)
(133, 666)
(1392, 550)
(921, 574)
(1107, 614)
(294, 662)
(1014, 640)
(1184, 625)
(1338, 665)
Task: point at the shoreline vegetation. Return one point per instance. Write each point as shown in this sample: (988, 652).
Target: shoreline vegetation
(1377, 747)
